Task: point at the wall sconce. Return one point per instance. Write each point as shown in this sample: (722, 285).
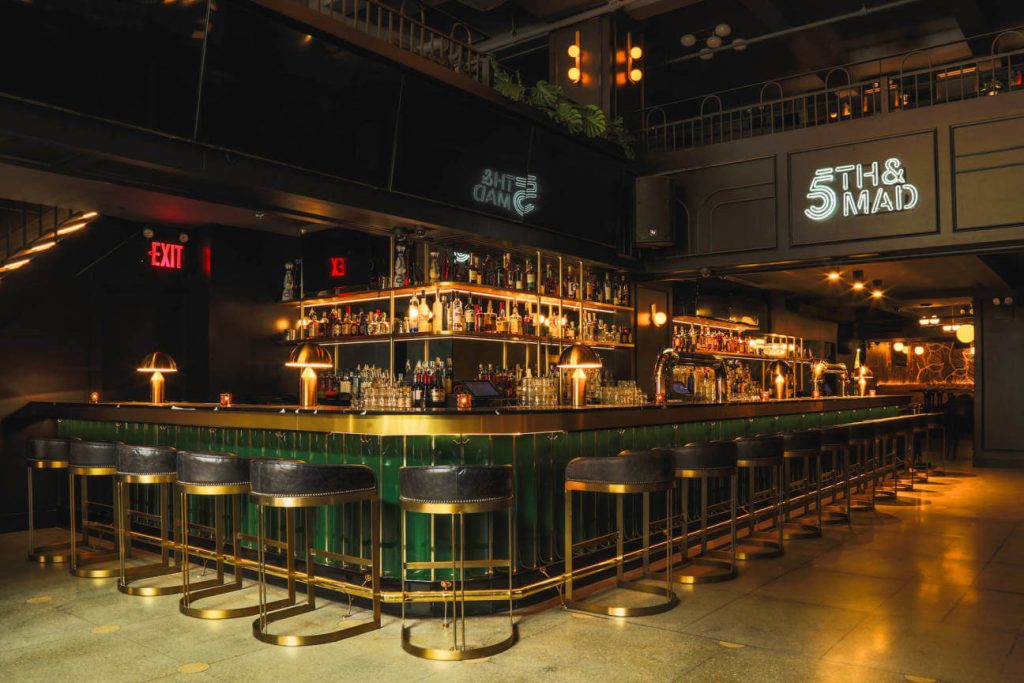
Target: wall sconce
(918, 350)
(965, 333)
(659, 318)
(899, 347)
(634, 53)
(575, 54)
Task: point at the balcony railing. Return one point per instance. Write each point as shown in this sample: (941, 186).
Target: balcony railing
(836, 103)
(453, 50)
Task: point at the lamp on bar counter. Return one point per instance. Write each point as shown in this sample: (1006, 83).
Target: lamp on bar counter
(579, 358)
(157, 364)
(310, 357)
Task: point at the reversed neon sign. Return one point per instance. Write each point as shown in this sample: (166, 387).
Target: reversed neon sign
(860, 190)
(513, 193)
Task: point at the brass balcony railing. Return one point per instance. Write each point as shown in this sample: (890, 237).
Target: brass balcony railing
(839, 101)
(453, 50)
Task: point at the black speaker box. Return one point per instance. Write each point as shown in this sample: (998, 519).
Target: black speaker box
(654, 211)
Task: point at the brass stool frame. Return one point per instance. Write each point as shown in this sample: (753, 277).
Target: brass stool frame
(865, 466)
(81, 560)
(767, 544)
(290, 609)
(168, 546)
(50, 553)
(885, 464)
(191, 593)
(670, 598)
(834, 516)
(919, 466)
(716, 565)
(801, 529)
(458, 567)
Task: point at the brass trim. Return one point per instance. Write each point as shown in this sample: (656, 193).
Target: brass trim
(93, 470)
(759, 462)
(455, 508)
(135, 478)
(600, 487)
(312, 501)
(212, 489)
(448, 655)
(709, 472)
(47, 464)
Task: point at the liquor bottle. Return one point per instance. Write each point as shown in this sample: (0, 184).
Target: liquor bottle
(570, 288)
(520, 278)
(437, 314)
(529, 322)
(432, 271)
(413, 324)
(424, 319)
(607, 288)
(501, 324)
(531, 276)
(505, 278)
(457, 319)
(489, 319)
(469, 316)
(515, 321)
(474, 268)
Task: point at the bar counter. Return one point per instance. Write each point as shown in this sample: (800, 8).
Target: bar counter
(536, 443)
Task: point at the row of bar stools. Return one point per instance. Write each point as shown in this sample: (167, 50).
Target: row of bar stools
(88, 460)
(835, 446)
(44, 454)
(861, 446)
(703, 462)
(291, 485)
(457, 491)
(632, 472)
(803, 447)
(757, 456)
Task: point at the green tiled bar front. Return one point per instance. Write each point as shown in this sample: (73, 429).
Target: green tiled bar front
(538, 461)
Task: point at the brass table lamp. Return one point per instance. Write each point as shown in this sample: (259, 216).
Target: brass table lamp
(579, 358)
(157, 364)
(310, 357)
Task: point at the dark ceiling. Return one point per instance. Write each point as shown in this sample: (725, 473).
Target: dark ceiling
(516, 30)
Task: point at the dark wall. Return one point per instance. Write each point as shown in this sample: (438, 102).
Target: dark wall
(745, 201)
(998, 378)
(651, 340)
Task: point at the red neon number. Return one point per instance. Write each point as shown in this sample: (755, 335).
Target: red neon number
(338, 268)
(166, 255)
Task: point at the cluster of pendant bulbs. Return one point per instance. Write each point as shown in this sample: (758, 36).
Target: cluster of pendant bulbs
(714, 41)
(634, 53)
(859, 284)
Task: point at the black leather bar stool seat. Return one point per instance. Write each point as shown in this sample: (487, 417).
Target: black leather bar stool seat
(88, 459)
(148, 466)
(457, 490)
(835, 450)
(643, 472)
(291, 485)
(44, 453)
(217, 475)
(704, 461)
(803, 447)
(862, 465)
(761, 457)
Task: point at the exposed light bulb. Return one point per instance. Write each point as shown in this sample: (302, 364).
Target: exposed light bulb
(706, 53)
(574, 74)
(713, 42)
(723, 30)
(688, 40)
(636, 52)
(574, 51)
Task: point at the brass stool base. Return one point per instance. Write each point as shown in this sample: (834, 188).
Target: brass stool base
(861, 505)
(458, 655)
(759, 547)
(53, 553)
(260, 633)
(671, 600)
(80, 565)
(706, 569)
(799, 531)
(149, 571)
(223, 612)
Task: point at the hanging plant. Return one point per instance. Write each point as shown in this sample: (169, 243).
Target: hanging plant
(579, 119)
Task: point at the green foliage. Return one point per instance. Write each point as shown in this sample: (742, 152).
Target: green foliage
(578, 119)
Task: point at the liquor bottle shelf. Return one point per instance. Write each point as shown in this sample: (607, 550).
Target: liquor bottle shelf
(474, 336)
(518, 296)
(746, 356)
(715, 323)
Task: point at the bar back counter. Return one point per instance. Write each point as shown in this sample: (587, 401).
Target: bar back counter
(536, 443)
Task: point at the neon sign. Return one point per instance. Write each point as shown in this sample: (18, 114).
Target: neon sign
(861, 190)
(506, 191)
(166, 255)
(338, 267)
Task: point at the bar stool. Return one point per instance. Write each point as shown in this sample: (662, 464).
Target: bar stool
(755, 455)
(862, 465)
(903, 458)
(219, 475)
(147, 466)
(643, 472)
(88, 459)
(44, 454)
(835, 445)
(457, 490)
(886, 460)
(919, 439)
(704, 461)
(805, 447)
(291, 484)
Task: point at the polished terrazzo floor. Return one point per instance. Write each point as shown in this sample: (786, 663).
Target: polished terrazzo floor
(932, 589)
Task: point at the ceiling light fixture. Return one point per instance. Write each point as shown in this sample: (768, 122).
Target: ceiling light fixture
(834, 276)
(876, 290)
(858, 280)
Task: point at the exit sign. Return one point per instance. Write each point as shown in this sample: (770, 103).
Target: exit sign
(166, 255)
